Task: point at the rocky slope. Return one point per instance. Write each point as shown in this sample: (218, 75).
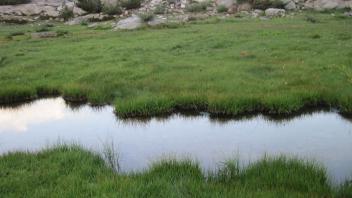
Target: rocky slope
(51, 9)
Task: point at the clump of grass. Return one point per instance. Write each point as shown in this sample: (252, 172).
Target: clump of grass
(12, 34)
(315, 36)
(12, 93)
(345, 190)
(146, 16)
(221, 9)
(91, 6)
(131, 4)
(311, 19)
(265, 4)
(84, 23)
(13, 2)
(167, 167)
(160, 9)
(230, 171)
(111, 156)
(197, 7)
(61, 32)
(2, 60)
(66, 13)
(112, 9)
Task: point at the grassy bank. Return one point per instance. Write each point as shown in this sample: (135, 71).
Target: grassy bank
(69, 171)
(223, 66)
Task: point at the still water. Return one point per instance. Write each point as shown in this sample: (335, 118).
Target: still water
(325, 137)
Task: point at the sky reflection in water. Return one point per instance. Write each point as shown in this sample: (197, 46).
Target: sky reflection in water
(322, 136)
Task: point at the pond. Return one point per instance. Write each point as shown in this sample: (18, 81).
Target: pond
(325, 137)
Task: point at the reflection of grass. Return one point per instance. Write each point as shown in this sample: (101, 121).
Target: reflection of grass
(228, 67)
(69, 171)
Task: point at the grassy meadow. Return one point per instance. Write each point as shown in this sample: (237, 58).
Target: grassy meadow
(70, 171)
(223, 66)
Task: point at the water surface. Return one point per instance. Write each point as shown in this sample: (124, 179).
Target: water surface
(325, 137)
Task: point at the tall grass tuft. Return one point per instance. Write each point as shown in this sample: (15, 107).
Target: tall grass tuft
(111, 156)
(131, 4)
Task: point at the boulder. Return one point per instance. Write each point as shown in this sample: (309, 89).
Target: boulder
(244, 7)
(38, 35)
(130, 23)
(291, 6)
(349, 14)
(226, 3)
(274, 12)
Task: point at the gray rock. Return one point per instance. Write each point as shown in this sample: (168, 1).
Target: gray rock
(275, 12)
(129, 23)
(257, 13)
(349, 14)
(244, 7)
(291, 6)
(50, 12)
(157, 20)
(38, 35)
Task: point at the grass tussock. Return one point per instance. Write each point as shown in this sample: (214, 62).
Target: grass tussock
(225, 67)
(72, 171)
(91, 6)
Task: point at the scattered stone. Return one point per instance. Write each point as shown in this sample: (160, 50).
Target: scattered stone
(349, 14)
(275, 12)
(93, 25)
(257, 13)
(129, 23)
(38, 35)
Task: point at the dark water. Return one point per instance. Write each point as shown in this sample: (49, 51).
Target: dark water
(325, 137)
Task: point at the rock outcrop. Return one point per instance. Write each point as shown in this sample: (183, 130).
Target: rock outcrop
(37, 9)
(129, 23)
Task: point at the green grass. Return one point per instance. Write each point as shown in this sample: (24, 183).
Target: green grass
(228, 66)
(70, 171)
